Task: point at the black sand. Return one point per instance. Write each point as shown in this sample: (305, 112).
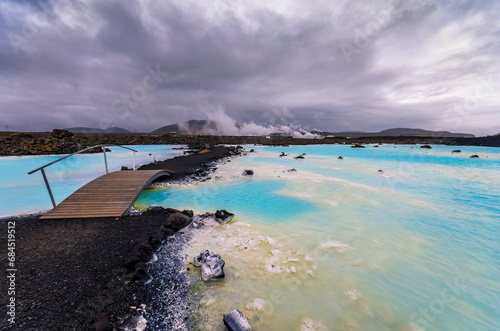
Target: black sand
(68, 271)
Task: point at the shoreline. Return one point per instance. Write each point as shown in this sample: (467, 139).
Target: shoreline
(70, 271)
(65, 142)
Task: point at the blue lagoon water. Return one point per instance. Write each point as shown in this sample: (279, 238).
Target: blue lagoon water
(337, 245)
(22, 193)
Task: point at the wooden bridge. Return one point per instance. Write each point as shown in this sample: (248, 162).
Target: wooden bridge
(111, 195)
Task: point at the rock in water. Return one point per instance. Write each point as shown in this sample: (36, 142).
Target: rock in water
(357, 145)
(426, 146)
(456, 151)
(177, 221)
(202, 258)
(235, 321)
(213, 268)
(247, 172)
(223, 216)
(473, 156)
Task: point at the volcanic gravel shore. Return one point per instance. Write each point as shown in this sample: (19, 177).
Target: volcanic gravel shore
(69, 271)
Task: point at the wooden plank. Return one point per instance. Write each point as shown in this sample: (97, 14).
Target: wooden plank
(110, 195)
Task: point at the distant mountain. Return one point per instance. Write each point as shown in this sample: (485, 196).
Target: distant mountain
(396, 132)
(422, 133)
(95, 130)
(190, 127)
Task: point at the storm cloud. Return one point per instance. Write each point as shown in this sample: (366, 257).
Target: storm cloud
(327, 65)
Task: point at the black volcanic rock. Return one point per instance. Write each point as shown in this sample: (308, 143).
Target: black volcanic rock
(223, 216)
(236, 321)
(177, 221)
(247, 172)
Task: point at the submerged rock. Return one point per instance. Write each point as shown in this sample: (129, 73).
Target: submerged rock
(247, 172)
(223, 216)
(213, 268)
(236, 321)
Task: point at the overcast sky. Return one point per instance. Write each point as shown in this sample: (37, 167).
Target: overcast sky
(328, 65)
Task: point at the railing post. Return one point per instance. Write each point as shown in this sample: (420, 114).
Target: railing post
(48, 188)
(134, 161)
(105, 160)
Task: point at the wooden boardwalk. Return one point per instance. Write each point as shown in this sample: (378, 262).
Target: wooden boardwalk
(111, 195)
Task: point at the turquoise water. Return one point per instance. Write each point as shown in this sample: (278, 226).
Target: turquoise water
(413, 248)
(22, 193)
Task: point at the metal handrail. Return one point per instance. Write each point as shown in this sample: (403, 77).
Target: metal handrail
(42, 168)
(80, 151)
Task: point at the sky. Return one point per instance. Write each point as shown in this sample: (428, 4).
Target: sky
(326, 65)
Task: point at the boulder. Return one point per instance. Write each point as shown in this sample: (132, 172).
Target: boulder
(357, 145)
(213, 268)
(247, 172)
(142, 252)
(154, 209)
(474, 156)
(202, 258)
(102, 322)
(132, 323)
(223, 216)
(236, 321)
(340, 158)
(456, 151)
(376, 146)
(426, 146)
(141, 276)
(177, 221)
(188, 213)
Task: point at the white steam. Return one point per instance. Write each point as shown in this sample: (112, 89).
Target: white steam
(226, 125)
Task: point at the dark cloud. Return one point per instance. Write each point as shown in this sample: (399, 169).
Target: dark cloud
(332, 66)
